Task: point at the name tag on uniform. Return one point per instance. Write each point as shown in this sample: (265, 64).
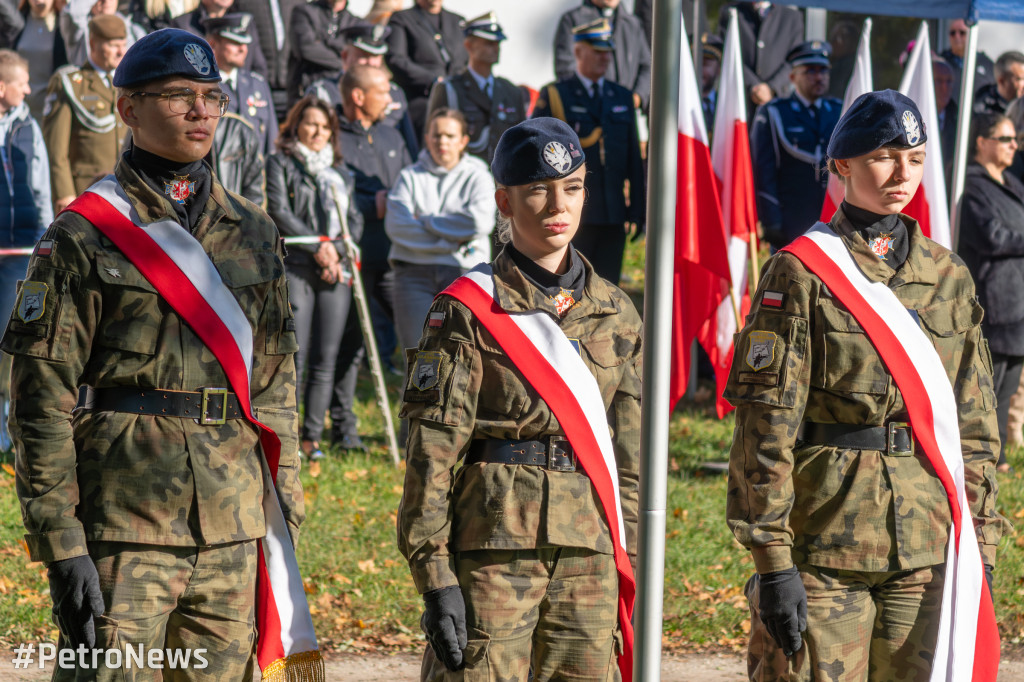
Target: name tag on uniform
(578, 110)
(795, 129)
(618, 109)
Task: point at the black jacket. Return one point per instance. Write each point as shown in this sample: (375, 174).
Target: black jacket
(416, 58)
(316, 45)
(631, 65)
(294, 203)
(193, 23)
(992, 245)
(764, 43)
(263, 26)
(236, 158)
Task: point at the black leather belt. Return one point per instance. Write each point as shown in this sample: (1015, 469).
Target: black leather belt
(553, 452)
(207, 406)
(896, 438)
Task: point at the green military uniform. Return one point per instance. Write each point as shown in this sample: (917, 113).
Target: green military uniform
(845, 516)
(84, 133)
(486, 116)
(167, 508)
(513, 535)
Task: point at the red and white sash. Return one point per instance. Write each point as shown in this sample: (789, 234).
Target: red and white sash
(547, 360)
(181, 271)
(968, 642)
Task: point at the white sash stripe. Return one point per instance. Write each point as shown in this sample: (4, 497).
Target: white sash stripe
(964, 580)
(552, 343)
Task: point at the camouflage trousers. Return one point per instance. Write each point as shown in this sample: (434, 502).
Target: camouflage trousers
(174, 599)
(860, 626)
(552, 608)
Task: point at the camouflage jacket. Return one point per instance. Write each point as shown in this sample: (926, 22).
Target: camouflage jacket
(481, 394)
(791, 501)
(133, 478)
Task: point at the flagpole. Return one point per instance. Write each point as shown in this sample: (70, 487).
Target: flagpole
(658, 297)
(963, 131)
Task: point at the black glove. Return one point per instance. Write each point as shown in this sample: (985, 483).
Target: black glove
(988, 579)
(444, 622)
(75, 591)
(784, 608)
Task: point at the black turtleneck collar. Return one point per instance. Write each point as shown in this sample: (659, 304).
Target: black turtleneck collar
(878, 226)
(160, 174)
(552, 284)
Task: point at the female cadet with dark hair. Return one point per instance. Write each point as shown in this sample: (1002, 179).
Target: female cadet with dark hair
(528, 375)
(866, 434)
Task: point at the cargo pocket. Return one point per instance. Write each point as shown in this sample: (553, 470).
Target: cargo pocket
(108, 637)
(847, 361)
(43, 319)
(132, 309)
(767, 352)
(477, 662)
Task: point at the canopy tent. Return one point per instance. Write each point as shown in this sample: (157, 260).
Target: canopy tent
(970, 10)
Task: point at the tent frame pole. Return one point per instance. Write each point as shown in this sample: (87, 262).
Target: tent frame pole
(963, 131)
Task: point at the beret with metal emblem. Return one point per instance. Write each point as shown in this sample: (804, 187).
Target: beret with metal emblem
(485, 26)
(233, 26)
(367, 37)
(884, 118)
(166, 53)
(811, 52)
(541, 148)
(597, 33)
(107, 27)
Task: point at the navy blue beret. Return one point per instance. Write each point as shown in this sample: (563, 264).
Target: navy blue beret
(166, 53)
(884, 118)
(538, 149)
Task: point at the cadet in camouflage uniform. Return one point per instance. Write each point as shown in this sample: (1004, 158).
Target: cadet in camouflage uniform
(846, 520)
(148, 524)
(514, 560)
(83, 133)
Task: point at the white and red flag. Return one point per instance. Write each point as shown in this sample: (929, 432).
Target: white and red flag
(860, 82)
(928, 206)
(730, 158)
(701, 276)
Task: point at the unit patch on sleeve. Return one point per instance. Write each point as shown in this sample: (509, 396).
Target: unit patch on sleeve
(761, 349)
(33, 301)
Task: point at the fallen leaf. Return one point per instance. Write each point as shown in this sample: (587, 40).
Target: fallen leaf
(8, 468)
(314, 469)
(367, 566)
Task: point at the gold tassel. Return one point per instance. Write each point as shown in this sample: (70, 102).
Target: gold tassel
(305, 666)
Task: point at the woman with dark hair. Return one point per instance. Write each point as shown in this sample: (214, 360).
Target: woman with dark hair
(309, 193)
(992, 245)
(42, 45)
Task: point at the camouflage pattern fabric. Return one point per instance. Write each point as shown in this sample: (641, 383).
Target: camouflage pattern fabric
(462, 386)
(860, 626)
(171, 599)
(86, 315)
(803, 357)
(552, 609)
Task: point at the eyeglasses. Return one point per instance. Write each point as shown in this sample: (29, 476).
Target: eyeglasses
(182, 101)
(1005, 139)
(957, 32)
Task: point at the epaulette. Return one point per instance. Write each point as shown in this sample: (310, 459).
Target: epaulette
(68, 69)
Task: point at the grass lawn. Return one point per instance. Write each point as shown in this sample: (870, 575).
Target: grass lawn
(359, 587)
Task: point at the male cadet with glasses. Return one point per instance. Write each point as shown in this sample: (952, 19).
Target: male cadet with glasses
(787, 147)
(83, 132)
(366, 44)
(603, 116)
(147, 506)
(490, 103)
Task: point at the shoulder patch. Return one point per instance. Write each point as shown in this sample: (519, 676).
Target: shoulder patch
(761, 349)
(426, 372)
(32, 303)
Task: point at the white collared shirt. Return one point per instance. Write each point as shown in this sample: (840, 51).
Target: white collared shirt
(486, 84)
(231, 78)
(104, 75)
(816, 104)
(589, 84)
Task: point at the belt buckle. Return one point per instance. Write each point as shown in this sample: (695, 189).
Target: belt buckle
(204, 406)
(892, 448)
(565, 460)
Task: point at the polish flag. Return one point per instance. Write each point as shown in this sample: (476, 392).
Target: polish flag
(860, 83)
(701, 273)
(917, 84)
(730, 158)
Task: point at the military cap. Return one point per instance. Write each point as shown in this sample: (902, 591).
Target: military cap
(485, 26)
(711, 44)
(107, 27)
(367, 37)
(597, 33)
(877, 119)
(811, 52)
(537, 149)
(233, 26)
(165, 53)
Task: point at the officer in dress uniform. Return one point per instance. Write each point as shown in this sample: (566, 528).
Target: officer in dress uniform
(146, 506)
(710, 67)
(251, 100)
(490, 103)
(787, 147)
(366, 44)
(830, 489)
(82, 130)
(603, 116)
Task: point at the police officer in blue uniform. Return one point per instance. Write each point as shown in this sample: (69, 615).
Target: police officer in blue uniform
(248, 90)
(787, 146)
(602, 115)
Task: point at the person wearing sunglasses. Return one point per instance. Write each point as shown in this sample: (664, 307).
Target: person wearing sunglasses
(984, 69)
(146, 507)
(992, 245)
